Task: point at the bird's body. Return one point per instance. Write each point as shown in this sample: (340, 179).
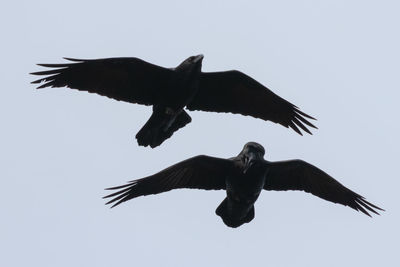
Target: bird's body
(242, 191)
(171, 91)
(168, 115)
(243, 185)
(243, 178)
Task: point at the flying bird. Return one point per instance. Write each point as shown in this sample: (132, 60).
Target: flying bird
(243, 178)
(172, 90)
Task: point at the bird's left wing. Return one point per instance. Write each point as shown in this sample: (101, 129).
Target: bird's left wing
(300, 175)
(235, 92)
(201, 172)
(127, 79)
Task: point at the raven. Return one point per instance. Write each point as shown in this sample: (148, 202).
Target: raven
(170, 90)
(243, 177)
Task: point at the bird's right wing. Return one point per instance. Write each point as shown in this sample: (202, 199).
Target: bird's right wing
(300, 175)
(235, 92)
(127, 79)
(201, 172)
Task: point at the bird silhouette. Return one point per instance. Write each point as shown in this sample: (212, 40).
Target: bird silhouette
(172, 90)
(243, 178)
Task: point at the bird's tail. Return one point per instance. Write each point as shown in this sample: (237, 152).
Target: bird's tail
(232, 219)
(159, 128)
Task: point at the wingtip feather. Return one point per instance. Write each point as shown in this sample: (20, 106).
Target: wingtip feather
(54, 65)
(294, 127)
(304, 114)
(301, 125)
(51, 83)
(299, 116)
(74, 59)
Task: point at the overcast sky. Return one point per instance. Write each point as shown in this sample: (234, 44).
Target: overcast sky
(336, 60)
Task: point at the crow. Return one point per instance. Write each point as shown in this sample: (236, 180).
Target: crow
(243, 177)
(171, 90)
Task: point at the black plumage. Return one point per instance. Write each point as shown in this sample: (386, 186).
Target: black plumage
(243, 177)
(171, 90)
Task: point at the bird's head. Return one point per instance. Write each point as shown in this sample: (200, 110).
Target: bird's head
(191, 63)
(252, 153)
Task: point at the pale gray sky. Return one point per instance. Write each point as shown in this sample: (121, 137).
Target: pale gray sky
(337, 60)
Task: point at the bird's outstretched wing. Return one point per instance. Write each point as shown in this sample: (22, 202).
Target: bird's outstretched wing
(235, 92)
(201, 172)
(127, 79)
(300, 175)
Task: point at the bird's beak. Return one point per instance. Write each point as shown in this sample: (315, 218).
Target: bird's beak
(249, 160)
(198, 58)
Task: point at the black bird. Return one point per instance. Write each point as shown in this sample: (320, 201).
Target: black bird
(171, 90)
(243, 177)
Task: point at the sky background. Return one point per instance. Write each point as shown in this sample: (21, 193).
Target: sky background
(336, 60)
